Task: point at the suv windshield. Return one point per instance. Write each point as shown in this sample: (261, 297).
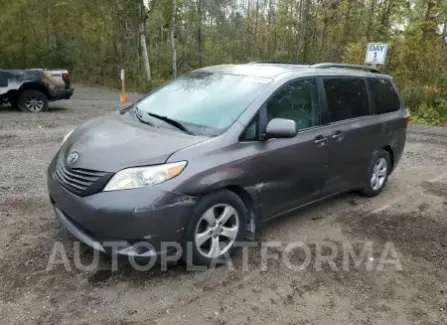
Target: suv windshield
(204, 102)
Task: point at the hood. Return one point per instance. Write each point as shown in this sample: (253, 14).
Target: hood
(115, 142)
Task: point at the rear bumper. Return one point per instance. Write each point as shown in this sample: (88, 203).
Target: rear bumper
(398, 146)
(123, 220)
(60, 93)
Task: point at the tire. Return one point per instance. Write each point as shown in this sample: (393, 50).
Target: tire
(205, 222)
(377, 175)
(32, 101)
(14, 103)
(12, 100)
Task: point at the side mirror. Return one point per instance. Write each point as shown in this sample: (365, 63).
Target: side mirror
(281, 128)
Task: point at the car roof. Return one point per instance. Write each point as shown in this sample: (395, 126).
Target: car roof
(274, 70)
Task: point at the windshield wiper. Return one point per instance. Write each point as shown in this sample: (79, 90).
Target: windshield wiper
(175, 123)
(140, 117)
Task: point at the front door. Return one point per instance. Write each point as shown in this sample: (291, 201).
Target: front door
(293, 171)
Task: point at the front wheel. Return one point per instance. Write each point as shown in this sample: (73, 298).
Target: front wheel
(32, 101)
(378, 173)
(217, 224)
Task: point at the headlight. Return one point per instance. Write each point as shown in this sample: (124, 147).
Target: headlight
(66, 136)
(144, 176)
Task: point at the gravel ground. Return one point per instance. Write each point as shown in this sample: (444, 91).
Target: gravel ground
(408, 219)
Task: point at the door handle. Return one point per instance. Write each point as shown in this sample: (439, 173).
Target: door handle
(320, 141)
(338, 136)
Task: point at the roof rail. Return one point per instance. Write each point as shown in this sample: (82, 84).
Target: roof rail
(275, 62)
(346, 66)
(266, 61)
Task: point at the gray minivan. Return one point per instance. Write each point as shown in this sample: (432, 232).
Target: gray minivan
(209, 156)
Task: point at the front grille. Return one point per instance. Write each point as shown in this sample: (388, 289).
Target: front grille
(79, 181)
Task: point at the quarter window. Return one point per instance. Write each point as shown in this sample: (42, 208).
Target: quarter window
(297, 101)
(384, 96)
(251, 133)
(346, 98)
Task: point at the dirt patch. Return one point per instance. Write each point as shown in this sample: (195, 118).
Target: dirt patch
(414, 234)
(275, 295)
(437, 188)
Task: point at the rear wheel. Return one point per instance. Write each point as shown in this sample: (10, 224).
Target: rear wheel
(378, 173)
(217, 224)
(32, 101)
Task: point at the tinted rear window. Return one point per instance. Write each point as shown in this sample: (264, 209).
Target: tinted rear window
(384, 96)
(346, 98)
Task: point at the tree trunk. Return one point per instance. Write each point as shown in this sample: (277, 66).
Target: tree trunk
(323, 36)
(269, 24)
(298, 41)
(174, 49)
(347, 19)
(143, 44)
(444, 33)
(247, 29)
(199, 34)
(304, 14)
(385, 19)
(427, 28)
(275, 39)
(369, 26)
(255, 35)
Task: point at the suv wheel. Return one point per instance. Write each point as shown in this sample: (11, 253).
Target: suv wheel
(32, 101)
(378, 173)
(217, 224)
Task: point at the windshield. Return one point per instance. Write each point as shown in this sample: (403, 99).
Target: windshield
(206, 103)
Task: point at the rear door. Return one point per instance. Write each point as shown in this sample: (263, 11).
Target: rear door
(352, 132)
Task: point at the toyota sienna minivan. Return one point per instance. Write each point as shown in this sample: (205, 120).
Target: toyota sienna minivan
(209, 156)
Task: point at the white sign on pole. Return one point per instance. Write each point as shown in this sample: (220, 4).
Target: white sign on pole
(122, 74)
(376, 53)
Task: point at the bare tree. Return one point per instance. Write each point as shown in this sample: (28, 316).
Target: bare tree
(303, 10)
(173, 43)
(199, 32)
(370, 24)
(255, 34)
(347, 22)
(143, 45)
(444, 33)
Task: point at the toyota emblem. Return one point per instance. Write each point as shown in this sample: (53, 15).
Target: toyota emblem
(72, 158)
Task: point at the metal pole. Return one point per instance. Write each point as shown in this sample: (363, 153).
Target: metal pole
(123, 95)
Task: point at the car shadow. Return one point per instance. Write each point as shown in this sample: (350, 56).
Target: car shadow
(8, 108)
(56, 108)
(124, 270)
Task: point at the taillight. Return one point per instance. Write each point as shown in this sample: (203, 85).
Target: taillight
(66, 79)
(407, 119)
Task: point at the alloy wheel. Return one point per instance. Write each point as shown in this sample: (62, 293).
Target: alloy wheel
(34, 104)
(379, 174)
(217, 230)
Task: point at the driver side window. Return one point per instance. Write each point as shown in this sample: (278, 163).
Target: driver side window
(3, 79)
(297, 101)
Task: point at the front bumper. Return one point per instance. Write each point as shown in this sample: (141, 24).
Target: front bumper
(60, 93)
(123, 218)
